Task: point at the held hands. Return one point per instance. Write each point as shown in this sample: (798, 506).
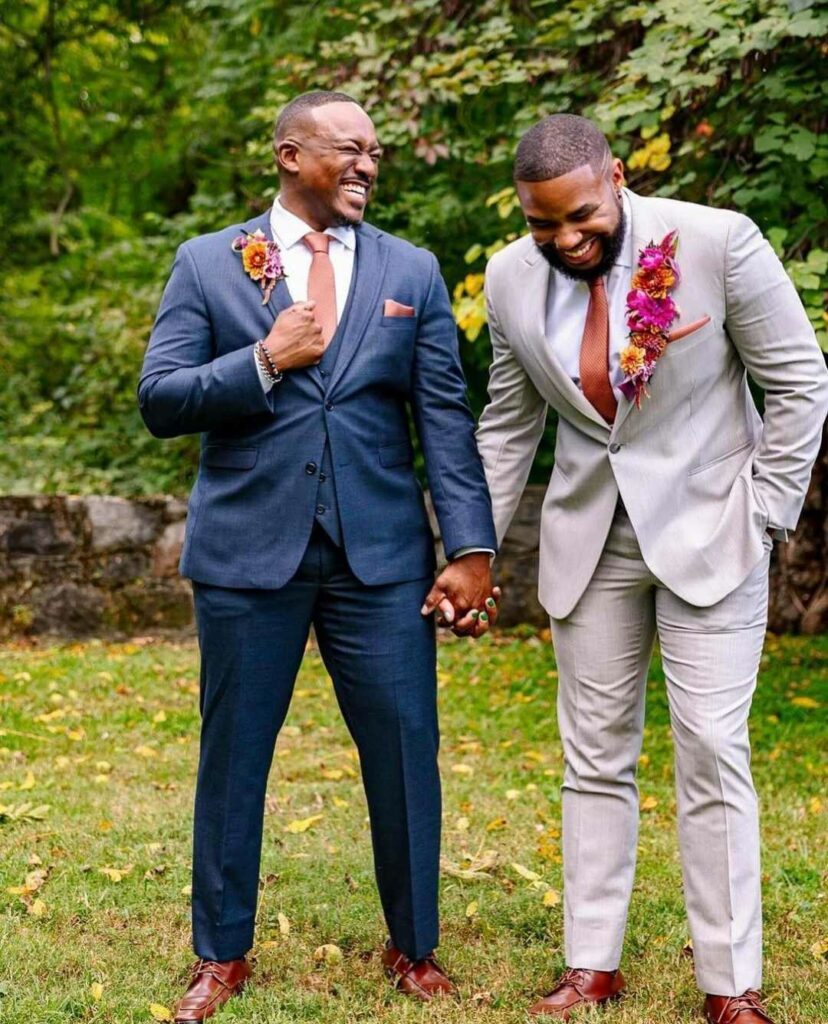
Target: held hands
(295, 339)
(463, 596)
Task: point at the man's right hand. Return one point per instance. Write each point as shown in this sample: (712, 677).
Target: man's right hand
(295, 339)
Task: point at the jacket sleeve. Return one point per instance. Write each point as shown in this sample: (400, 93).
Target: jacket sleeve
(184, 387)
(511, 426)
(445, 427)
(766, 322)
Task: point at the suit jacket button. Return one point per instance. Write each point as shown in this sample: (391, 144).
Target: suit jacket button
(310, 469)
(329, 406)
(614, 448)
(320, 509)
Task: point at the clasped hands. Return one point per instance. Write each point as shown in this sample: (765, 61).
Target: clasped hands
(463, 596)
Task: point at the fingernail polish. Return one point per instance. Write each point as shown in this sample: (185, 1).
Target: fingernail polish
(484, 617)
(490, 602)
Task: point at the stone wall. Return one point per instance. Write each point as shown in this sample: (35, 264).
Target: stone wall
(95, 565)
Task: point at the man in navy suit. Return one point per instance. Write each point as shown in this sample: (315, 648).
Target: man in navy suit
(297, 344)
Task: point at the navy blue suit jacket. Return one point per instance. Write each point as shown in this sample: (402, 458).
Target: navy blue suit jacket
(252, 508)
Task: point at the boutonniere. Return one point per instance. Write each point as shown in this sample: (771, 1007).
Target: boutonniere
(261, 260)
(650, 314)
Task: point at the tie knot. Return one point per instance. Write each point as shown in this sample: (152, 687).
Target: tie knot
(317, 241)
(596, 285)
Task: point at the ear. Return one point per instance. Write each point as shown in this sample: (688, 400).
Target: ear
(287, 156)
(617, 174)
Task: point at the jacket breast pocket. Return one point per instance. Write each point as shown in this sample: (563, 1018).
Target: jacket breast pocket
(227, 457)
(400, 454)
(401, 323)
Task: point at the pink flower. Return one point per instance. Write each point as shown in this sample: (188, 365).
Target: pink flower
(273, 265)
(238, 243)
(649, 314)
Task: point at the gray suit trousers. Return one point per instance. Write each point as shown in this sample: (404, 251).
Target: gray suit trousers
(711, 659)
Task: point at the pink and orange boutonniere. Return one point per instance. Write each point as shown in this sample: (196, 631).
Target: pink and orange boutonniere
(261, 260)
(650, 314)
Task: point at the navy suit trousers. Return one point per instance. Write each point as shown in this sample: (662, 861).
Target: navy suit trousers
(380, 653)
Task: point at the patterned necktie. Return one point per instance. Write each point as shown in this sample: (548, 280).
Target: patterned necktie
(321, 283)
(595, 353)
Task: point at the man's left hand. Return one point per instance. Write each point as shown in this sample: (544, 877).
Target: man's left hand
(462, 594)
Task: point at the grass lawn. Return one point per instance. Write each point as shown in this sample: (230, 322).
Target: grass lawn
(98, 746)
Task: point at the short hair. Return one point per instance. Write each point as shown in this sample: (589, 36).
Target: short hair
(291, 114)
(557, 145)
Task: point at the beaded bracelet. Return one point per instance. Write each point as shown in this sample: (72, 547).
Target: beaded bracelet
(266, 364)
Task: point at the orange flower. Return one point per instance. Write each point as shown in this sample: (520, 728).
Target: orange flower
(254, 258)
(632, 360)
(656, 282)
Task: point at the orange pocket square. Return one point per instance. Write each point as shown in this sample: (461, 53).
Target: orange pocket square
(683, 332)
(393, 308)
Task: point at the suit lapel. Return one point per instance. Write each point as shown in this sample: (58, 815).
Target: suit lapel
(369, 272)
(535, 284)
(280, 297)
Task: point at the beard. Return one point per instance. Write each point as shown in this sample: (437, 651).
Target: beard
(611, 245)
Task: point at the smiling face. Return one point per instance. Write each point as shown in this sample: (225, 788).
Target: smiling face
(577, 219)
(328, 165)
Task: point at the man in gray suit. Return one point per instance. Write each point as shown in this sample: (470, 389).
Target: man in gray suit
(638, 320)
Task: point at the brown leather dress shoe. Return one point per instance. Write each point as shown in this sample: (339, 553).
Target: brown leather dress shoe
(424, 979)
(212, 983)
(744, 1009)
(577, 987)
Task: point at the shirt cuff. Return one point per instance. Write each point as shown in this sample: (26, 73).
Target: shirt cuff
(471, 551)
(267, 385)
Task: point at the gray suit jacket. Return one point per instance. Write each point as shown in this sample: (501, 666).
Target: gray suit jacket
(702, 476)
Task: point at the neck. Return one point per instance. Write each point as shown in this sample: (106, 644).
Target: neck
(293, 204)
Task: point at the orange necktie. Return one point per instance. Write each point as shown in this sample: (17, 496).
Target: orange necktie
(321, 283)
(595, 353)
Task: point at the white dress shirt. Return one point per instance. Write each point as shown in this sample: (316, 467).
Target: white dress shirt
(288, 230)
(566, 309)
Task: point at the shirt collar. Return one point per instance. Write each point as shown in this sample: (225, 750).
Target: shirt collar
(288, 229)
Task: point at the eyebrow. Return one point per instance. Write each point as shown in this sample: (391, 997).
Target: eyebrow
(582, 211)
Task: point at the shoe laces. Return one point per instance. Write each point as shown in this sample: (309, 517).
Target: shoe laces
(573, 976)
(747, 1001)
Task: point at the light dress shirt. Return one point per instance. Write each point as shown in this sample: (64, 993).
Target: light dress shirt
(566, 309)
(288, 230)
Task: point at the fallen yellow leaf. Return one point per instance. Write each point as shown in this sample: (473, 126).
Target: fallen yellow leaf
(530, 876)
(462, 769)
(820, 949)
(159, 1012)
(815, 805)
(28, 782)
(512, 794)
(649, 803)
(116, 874)
(496, 824)
(805, 702)
(96, 991)
(334, 774)
(284, 924)
(303, 824)
(551, 898)
(160, 716)
(146, 752)
(339, 802)
(37, 908)
(329, 953)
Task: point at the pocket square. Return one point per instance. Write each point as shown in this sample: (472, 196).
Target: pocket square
(683, 332)
(393, 308)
